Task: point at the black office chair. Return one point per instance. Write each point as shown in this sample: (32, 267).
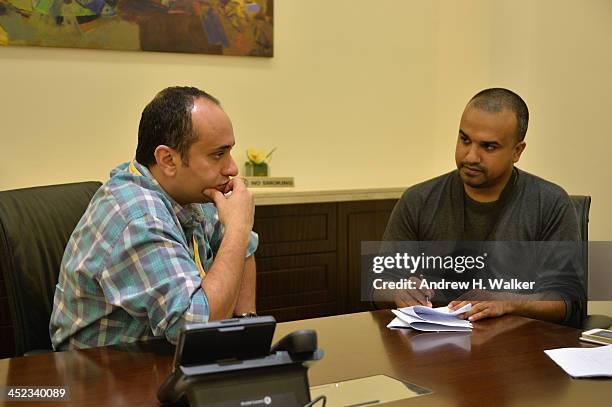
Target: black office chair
(582, 205)
(35, 225)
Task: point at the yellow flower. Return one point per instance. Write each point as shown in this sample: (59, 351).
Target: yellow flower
(256, 156)
(3, 37)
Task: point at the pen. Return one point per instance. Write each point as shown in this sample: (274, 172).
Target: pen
(427, 296)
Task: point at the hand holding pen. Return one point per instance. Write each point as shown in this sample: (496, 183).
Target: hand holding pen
(415, 296)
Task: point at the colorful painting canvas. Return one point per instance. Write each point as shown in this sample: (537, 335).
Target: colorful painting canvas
(222, 27)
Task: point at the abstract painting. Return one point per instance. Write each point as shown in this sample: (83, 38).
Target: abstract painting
(221, 27)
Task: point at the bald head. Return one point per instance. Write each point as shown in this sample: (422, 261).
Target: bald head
(167, 120)
(495, 100)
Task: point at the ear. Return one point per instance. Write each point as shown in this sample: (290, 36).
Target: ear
(518, 150)
(167, 159)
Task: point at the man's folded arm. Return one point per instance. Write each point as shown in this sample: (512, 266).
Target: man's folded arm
(561, 274)
(152, 275)
(223, 280)
(564, 271)
(245, 303)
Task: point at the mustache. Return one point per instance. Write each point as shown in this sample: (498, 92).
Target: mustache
(476, 167)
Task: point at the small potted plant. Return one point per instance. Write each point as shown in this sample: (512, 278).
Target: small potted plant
(257, 164)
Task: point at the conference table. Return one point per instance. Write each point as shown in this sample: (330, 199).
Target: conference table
(500, 363)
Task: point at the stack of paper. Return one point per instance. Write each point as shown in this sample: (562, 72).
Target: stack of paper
(431, 319)
(584, 362)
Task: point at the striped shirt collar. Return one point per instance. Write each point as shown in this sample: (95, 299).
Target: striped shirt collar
(189, 215)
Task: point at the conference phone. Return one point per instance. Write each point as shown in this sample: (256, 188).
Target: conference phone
(232, 363)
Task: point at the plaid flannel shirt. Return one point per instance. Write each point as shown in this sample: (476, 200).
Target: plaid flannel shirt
(128, 271)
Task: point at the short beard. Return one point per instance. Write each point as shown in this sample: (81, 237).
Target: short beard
(485, 183)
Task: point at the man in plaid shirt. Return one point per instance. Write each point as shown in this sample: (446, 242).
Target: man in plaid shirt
(162, 243)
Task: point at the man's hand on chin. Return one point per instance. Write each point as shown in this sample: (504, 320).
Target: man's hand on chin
(225, 189)
(236, 211)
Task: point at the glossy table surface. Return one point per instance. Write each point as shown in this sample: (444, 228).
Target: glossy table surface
(500, 363)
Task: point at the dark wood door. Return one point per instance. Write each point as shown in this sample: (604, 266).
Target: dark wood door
(357, 222)
(297, 270)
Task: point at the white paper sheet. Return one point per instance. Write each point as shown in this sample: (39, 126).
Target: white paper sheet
(431, 319)
(427, 327)
(584, 362)
(440, 314)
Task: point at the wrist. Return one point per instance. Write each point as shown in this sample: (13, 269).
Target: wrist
(237, 229)
(512, 307)
(237, 235)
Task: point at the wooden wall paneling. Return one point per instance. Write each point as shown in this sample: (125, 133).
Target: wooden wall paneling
(357, 222)
(295, 229)
(297, 271)
(297, 286)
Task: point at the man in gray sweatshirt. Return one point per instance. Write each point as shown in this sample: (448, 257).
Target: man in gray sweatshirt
(488, 199)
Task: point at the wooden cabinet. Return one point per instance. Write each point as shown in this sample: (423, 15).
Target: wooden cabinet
(296, 229)
(297, 273)
(299, 286)
(308, 261)
(358, 222)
